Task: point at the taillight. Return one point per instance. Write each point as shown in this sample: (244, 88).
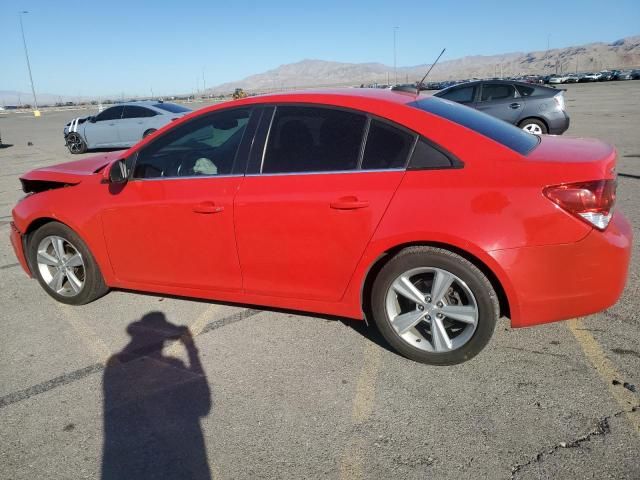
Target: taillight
(593, 201)
(559, 98)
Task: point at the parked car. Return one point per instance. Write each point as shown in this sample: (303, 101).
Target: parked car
(536, 109)
(590, 77)
(606, 76)
(430, 218)
(122, 125)
(558, 79)
(625, 75)
(635, 74)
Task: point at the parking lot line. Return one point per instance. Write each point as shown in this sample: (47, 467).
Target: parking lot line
(606, 370)
(87, 335)
(352, 465)
(195, 328)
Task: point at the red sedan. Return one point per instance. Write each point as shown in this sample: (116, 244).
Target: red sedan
(427, 217)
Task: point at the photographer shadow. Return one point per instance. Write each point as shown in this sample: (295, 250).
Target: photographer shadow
(153, 404)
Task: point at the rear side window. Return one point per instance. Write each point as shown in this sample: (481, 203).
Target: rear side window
(426, 156)
(132, 111)
(460, 95)
(496, 91)
(387, 147)
(525, 90)
(311, 139)
(486, 125)
(172, 107)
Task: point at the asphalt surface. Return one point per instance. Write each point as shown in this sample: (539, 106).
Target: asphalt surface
(101, 389)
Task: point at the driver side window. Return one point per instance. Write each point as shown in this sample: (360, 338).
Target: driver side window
(202, 147)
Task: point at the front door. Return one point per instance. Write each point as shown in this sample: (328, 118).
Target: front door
(305, 218)
(103, 131)
(172, 223)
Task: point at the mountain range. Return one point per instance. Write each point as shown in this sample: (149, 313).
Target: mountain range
(624, 53)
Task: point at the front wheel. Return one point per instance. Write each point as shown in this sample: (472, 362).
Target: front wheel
(434, 306)
(75, 143)
(534, 126)
(64, 266)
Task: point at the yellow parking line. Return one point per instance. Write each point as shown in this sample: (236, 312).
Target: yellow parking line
(88, 336)
(352, 465)
(607, 371)
(195, 328)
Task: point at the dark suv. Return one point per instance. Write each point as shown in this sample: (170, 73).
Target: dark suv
(534, 108)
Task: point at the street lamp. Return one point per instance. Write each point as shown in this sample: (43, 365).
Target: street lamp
(395, 66)
(26, 54)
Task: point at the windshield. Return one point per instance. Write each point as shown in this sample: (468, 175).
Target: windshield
(172, 107)
(491, 127)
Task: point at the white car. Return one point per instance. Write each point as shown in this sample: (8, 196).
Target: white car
(559, 79)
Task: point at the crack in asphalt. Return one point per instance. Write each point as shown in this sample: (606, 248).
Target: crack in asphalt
(601, 428)
(89, 370)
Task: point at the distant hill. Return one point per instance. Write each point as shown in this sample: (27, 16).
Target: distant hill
(624, 53)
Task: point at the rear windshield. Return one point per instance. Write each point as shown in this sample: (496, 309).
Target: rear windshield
(172, 107)
(497, 130)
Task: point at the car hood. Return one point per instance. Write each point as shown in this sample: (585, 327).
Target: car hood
(72, 172)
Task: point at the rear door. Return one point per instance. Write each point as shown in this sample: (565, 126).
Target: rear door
(316, 189)
(135, 121)
(104, 131)
(501, 101)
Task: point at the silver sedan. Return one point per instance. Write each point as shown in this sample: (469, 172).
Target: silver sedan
(121, 125)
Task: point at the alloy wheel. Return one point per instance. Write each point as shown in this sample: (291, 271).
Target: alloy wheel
(532, 128)
(75, 143)
(61, 266)
(432, 309)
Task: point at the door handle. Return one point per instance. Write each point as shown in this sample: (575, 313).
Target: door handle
(349, 203)
(207, 207)
(514, 105)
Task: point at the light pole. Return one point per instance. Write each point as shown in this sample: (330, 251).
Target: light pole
(26, 54)
(395, 65)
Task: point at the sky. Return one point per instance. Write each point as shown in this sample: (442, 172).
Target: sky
(88, 48)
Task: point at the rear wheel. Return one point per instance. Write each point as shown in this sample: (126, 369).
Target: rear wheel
(433, 306)
(533, 125)
(64, 266)
(75, 143)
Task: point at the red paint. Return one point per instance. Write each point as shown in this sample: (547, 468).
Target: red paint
(306, 242)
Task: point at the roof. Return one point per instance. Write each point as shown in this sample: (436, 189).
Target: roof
(366, 93)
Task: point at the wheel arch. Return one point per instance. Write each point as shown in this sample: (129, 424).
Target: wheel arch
(382, 259)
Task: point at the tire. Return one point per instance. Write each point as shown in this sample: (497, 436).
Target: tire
(470, 297)
(75, 143)
(533, 125)
(148, 132)
(80, 280)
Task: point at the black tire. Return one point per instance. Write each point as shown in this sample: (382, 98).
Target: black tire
(486, 302)
(76, 144)
(533, 121)
(93, 283)
(148, 132)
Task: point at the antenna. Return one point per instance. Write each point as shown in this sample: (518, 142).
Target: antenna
(419, 84)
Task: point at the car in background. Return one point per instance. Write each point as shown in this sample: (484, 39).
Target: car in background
(534, 108)
(591, 77)
(558, 79)
(625, 75)
(307, 201)
(121, 125)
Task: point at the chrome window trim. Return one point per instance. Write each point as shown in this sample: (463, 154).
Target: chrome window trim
(330, 172)
(266, 139)
(190, 177)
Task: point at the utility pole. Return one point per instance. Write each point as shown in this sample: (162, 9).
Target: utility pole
(395, 65)
(26, 54)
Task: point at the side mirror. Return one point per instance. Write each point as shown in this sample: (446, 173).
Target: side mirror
(118, 172)
(92, 119)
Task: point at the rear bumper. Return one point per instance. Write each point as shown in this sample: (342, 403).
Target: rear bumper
(558, 122)
(18, 247)
(559, 282)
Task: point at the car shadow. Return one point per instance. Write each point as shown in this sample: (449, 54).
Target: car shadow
(153, 403)
(365, 328)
